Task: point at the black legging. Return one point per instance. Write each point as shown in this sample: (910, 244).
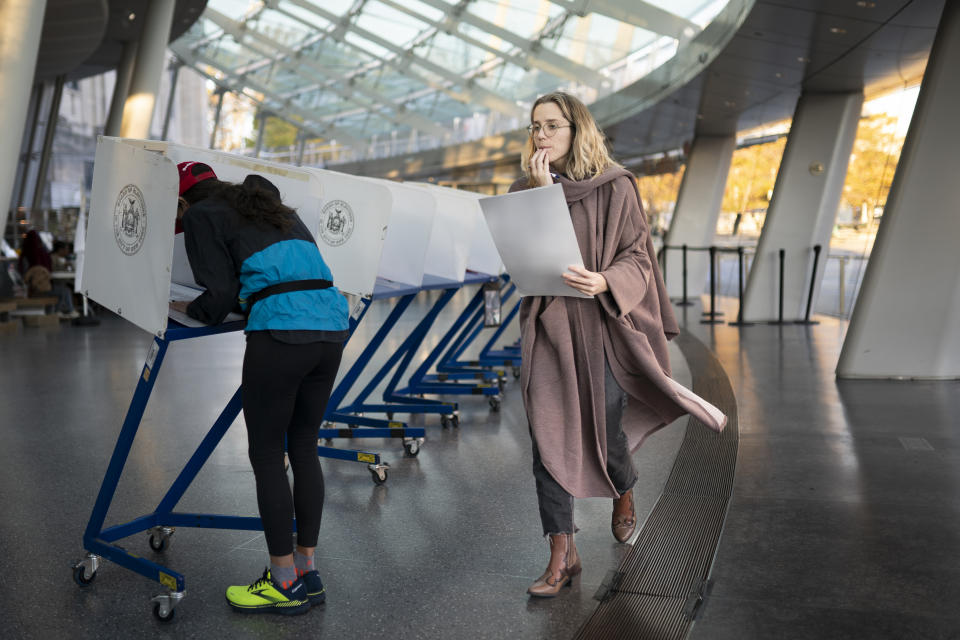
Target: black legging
(285, 393)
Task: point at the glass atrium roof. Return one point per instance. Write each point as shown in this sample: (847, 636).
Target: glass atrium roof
(434, 71)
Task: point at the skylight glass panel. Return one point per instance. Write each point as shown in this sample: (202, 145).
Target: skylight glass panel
(235, 8)
(383, 20)
(454, 54)
(367, 46)
(426, 11)
(522, 17)
(307, 62)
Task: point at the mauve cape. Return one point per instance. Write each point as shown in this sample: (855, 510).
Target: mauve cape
(564, 341)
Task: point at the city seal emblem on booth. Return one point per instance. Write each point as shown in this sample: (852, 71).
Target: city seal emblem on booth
(130, 219)
(336, 222)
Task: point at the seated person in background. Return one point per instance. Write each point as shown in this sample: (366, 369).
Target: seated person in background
(61, 256)
(36, 264)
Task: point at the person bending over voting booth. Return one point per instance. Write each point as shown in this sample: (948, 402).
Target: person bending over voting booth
(250, 250)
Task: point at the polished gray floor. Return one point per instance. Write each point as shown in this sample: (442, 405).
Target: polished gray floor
(844, 520)
(845, 516)
(445, 549)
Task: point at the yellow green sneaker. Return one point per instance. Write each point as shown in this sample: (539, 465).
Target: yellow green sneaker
(266, 596)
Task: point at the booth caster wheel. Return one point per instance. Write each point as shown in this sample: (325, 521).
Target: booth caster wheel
(160, 538)
(452, 420)
(494, 403)
(412, 445)
(378, 472)
(516, 373)
(164, 603)
(85, 571)
(389, 415)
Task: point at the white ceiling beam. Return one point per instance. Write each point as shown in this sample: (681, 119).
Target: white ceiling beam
(290, 60)
(237, 82)
(636, 12)
(537, 56)
(471, 93)
(446, 27)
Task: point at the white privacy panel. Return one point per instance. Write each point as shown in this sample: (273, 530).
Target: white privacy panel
(408, 234)
(451, 236)
(349, 226)
(346, 216)
(484, 257)
(129, 241)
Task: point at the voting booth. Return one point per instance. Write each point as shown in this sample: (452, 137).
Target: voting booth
(132, 265)
(382, 241)
(446, 228)
(130, 258)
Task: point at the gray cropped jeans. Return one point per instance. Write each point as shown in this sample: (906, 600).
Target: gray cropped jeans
(556, 505)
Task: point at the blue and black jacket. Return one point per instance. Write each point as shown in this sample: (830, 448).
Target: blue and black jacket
(234, 258)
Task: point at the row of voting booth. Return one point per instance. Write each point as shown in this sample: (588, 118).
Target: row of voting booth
(385, 242)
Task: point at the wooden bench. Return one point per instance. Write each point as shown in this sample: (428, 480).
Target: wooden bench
(40, 311)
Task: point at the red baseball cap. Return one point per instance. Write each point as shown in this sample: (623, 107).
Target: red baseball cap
(193, 172)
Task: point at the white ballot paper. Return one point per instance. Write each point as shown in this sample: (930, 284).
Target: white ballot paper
(186, 293)
(534, 235)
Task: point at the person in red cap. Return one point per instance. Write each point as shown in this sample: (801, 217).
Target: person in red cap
(254, 254)
(188, 178)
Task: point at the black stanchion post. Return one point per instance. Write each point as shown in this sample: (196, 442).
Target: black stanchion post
(813, 284)
(685, 302)
(710, 317)
(739, 321)
(783, 254)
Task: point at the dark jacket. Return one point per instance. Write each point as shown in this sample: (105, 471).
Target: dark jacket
(234, 258)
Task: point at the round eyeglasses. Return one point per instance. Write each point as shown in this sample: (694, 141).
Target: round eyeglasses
(550, 129)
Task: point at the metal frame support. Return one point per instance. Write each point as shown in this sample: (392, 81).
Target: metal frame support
(263, 125)
(174, 76)
(301, 147)
(216, 115)
(37, 97)
(48, 134)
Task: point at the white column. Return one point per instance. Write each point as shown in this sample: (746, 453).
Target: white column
(121, 88)
(138, 108)
(694, 221)
(906, 322)
(20, 24)
(804, 205)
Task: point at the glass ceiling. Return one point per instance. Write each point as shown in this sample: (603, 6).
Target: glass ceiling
(366, 73)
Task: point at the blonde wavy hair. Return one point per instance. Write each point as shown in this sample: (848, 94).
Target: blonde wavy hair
(588, 156)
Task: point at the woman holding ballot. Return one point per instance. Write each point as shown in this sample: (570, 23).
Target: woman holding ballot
(253, 253)
(595, 374)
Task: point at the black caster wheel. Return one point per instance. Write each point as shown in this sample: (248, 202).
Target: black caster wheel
(516, 373)
(455, 420)
(379, 476)
(445, 421)
(81, 578)
(160, 615)
(412, 448)
(494, 403)
(159, 543)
